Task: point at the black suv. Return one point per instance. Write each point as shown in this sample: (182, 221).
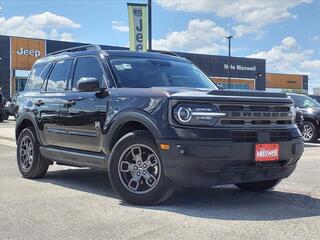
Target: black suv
(310, 110)
(155, 122)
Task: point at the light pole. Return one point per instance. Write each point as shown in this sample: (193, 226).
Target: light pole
(229, 39)
(149, 26)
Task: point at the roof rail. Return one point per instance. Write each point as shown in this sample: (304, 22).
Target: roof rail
(166, 52)
(78, 48)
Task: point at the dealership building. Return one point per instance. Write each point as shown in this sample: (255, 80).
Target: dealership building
(18, 54)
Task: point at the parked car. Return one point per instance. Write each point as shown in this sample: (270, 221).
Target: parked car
(2, 108)
(315, 97)
(310, 110)
(11, 106)
(155, 122)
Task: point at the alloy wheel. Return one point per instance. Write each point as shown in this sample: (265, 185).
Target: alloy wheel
(139, 169)
(26, 152)
(307, 132)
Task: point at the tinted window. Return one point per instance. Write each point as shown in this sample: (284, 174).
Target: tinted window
(304, 101)
(147, 72)
(58, 78)
(87, 67)
(37, 77)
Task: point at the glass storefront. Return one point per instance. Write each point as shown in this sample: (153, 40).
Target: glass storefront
(20, 79)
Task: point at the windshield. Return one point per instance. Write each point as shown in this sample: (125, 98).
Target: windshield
(148, 72)
(304, 101)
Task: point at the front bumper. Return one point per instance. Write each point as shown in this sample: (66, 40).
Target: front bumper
(208, 163)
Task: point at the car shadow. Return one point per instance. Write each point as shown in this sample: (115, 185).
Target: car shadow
(224, 202)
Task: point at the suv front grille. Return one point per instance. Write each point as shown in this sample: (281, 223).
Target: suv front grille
(241, 114)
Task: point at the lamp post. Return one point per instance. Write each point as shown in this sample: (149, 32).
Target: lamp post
(149, 26)
(229, 39)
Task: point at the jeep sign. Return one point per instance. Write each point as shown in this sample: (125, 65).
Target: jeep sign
(137, 26)
(29, 52)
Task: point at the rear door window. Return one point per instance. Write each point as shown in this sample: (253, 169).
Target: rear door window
(58, 79)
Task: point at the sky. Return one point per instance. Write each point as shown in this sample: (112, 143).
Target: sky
(284, 32)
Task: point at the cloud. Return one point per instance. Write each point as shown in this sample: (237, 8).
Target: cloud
(249, 15)
(288, 57)
(201, 36)
(43, 25)
(120, 26)
(65, 36)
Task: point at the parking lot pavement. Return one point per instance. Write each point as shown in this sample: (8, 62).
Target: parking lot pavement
(72, 203)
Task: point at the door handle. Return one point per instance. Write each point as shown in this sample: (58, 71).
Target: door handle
(39, 103)
(69, 103)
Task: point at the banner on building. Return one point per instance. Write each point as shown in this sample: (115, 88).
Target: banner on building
(138, 26)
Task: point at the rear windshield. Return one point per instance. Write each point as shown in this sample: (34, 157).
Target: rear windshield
(148, 72)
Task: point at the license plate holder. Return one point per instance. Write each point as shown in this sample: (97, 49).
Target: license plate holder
(267, 152)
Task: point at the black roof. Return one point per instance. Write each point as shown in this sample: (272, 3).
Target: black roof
(86, 50)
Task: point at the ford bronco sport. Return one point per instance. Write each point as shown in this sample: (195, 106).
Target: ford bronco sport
(155, 122)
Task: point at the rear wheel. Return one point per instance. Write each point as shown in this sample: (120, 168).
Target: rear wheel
(6, 116)
(259, 186)
(136, 172)
(310, 133)
(30, 162)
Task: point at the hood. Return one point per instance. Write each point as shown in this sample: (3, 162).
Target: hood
(200, 94)
(232, 95)
(310, 111)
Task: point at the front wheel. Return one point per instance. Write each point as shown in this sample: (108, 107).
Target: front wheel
(136, 172)
(259, 186)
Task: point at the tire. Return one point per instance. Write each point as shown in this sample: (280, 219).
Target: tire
(130, 186)
(259, 186)
(38, 166)
(310, 133)
(6, 116)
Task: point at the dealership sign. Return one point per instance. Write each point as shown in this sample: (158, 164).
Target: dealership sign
(25, 51)
(29, 52)
(240, 67)
(137, 26)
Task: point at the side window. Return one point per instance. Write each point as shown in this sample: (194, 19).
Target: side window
(58, 78)
(87, 67)
(37, 77)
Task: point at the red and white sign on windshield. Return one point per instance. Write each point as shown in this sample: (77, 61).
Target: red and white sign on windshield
(267, 152)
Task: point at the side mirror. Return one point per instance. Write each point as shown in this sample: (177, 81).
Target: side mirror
(88, 84)
(220, 86)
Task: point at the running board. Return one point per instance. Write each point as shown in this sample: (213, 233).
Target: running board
(75, 158)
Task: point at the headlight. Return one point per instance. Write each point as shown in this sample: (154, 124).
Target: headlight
(193, 114)
(293, 114)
